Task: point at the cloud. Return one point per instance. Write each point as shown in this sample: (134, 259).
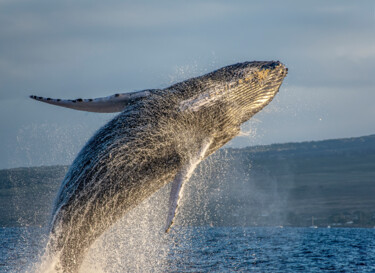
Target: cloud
(82, 48)
(46, 16)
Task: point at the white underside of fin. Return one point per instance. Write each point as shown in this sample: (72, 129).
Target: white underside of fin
(207, 98)
(110, 104)
(177, 185)
(195, 104)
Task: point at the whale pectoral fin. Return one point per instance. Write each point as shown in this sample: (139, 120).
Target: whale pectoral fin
(110, 104)
(173, 199)
(177, 185)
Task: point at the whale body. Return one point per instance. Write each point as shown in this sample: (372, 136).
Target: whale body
(158, 137)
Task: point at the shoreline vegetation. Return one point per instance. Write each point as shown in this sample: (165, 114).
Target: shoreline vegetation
(330, 183)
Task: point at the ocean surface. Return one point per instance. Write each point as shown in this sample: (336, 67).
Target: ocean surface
(216, 249)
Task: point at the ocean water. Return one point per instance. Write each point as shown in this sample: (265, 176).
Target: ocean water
(214, 249)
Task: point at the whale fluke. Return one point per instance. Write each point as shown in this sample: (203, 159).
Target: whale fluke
(110, 104)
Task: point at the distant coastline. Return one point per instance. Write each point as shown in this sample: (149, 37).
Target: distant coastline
(332, 181)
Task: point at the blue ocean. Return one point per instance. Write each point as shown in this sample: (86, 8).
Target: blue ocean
(211, 249)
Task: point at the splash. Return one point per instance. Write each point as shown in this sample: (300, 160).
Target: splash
(137, 243)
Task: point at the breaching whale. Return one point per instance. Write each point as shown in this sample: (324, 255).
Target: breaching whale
(160, 136)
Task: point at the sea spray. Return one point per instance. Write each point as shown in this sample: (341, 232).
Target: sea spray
(137, 243)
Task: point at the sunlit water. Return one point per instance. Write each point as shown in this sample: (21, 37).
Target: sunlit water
(210, 249)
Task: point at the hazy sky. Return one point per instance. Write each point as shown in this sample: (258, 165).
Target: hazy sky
(72, 49)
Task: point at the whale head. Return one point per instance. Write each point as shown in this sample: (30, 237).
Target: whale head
(242, 89)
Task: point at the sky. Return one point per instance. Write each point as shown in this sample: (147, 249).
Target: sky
(87, 49)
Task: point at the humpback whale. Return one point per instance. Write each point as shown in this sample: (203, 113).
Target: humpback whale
(159, 136)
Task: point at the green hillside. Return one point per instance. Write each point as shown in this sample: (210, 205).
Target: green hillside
(282, 184)
(288, 184)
